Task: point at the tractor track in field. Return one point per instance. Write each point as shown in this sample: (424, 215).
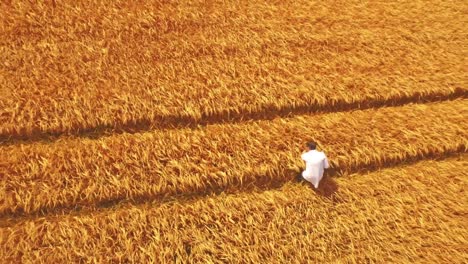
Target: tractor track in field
(261, 183)
(268, 113)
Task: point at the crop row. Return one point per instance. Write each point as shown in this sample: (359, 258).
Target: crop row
(84, 172)
(80, 67)
(400, 214)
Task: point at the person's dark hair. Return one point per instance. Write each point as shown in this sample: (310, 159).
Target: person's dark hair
(311, 145)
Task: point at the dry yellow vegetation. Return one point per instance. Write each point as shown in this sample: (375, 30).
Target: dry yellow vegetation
(399, 215)
(170, 131)
(86, 65)
(228, 156)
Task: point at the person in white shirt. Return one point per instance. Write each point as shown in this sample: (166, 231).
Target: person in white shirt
(316, 162)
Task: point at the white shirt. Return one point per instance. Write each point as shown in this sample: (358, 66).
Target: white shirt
(316, 162)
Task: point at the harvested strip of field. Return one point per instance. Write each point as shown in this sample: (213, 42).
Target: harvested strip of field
(225, 157)
(85, 65)
(396, 215)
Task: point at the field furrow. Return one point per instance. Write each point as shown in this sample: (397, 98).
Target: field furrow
(141, 66)
(229, 157)
(399, 215)
(268, 112)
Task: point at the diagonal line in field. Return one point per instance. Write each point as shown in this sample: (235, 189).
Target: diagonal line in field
(78, 172)
(176, 121)
(257, 183)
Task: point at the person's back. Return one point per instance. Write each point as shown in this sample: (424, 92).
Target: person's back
(316, 163)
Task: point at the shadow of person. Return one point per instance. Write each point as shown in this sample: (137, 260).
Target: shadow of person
(327, 186)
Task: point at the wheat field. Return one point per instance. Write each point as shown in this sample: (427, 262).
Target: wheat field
(171, 131)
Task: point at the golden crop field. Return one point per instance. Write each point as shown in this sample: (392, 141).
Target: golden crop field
(171, 131)
(399, 215)
(158, 164)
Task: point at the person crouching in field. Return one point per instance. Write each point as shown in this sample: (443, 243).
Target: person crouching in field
(316, 162)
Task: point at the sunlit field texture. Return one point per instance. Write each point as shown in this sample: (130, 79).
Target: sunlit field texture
(171, 131)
